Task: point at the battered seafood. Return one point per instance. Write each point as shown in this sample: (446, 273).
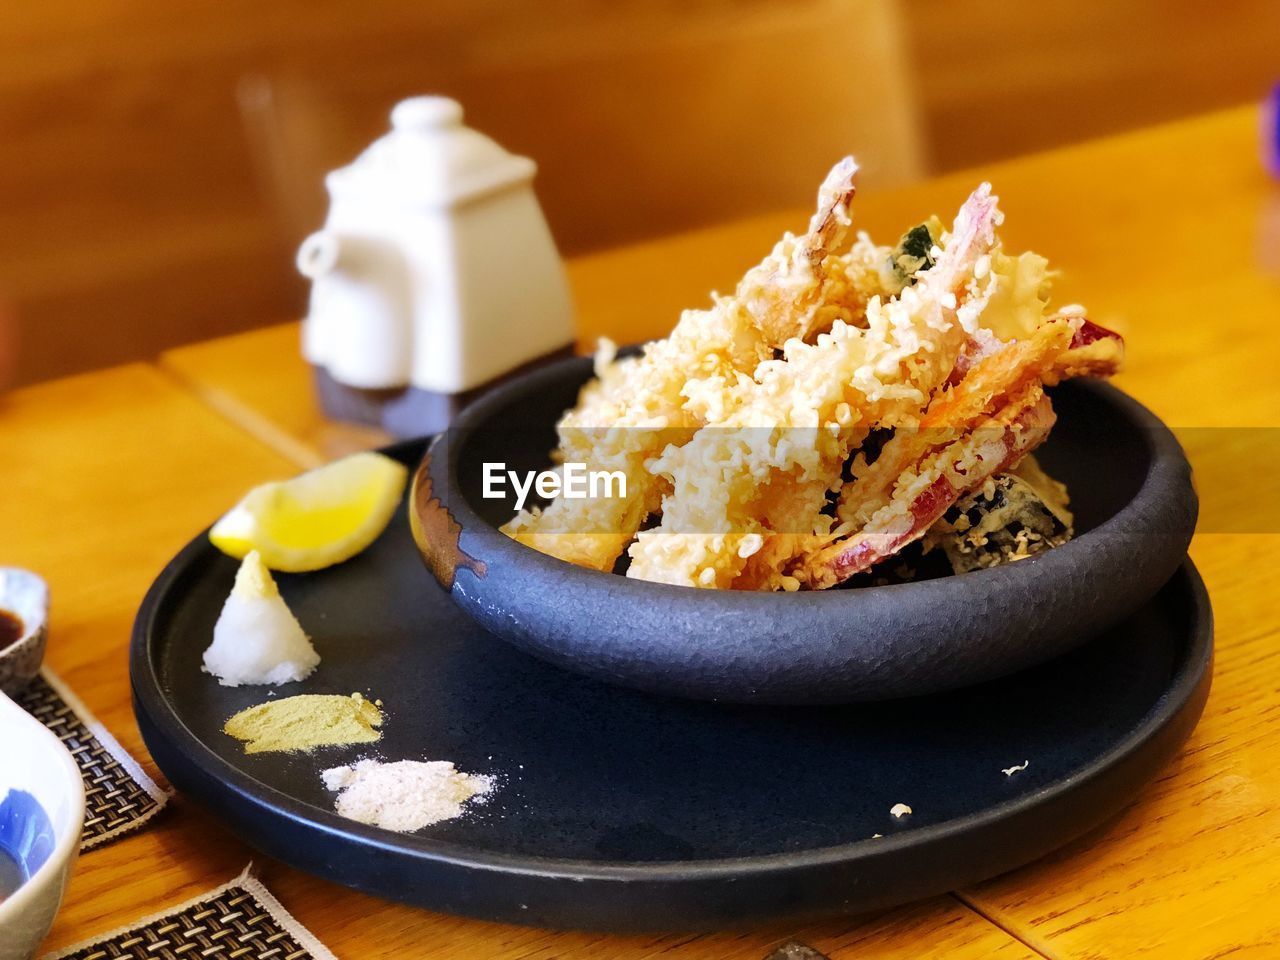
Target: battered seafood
(829, 413)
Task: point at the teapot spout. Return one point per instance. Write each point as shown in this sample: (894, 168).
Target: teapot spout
(319, 254)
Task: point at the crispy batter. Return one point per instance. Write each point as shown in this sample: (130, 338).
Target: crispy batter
(738, 428)
(1000, 371)
(638, 405)
(1095, 351)
(954, 412)
(923, 494)
(802, 415)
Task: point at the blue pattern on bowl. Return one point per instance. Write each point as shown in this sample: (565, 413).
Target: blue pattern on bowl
(26, 832)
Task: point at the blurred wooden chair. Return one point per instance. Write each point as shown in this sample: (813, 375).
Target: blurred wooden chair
(160, 166)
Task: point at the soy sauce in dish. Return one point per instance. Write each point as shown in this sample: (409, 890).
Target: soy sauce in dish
(11, 628)
(11, 874)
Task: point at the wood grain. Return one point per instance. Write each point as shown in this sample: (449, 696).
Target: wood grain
(1184, 258)
(160, 169)
(1188, 871)
(161, 166)
(1060, 72)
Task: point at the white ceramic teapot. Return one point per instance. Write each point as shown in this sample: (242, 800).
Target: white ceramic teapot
(435, 273)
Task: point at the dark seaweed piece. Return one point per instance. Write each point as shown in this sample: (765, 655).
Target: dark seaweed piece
(913, 253)
(917, 243)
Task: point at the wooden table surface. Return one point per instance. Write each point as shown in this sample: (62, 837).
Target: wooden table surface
(1171, 235)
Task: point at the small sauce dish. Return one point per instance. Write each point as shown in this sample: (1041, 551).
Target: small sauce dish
(24, 627)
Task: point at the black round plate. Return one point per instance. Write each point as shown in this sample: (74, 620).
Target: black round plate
(620, 810)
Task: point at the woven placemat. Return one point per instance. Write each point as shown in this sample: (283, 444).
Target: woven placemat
(240, 920)
(118, 796)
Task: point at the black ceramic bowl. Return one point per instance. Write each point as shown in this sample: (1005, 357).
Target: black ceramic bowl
(1131, 492)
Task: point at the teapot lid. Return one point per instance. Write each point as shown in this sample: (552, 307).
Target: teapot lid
(430, 158)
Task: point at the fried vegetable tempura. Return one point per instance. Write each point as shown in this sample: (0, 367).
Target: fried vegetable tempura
(825, 415)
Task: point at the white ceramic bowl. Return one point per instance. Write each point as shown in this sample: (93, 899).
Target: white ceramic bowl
(41, 815)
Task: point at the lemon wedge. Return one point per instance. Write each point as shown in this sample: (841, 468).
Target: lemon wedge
(317, 519)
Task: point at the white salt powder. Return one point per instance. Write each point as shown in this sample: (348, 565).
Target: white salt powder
(405, 795)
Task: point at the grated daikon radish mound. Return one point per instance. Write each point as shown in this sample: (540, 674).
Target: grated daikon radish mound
(257, 639)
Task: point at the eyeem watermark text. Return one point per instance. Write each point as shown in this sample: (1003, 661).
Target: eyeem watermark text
(573, 481)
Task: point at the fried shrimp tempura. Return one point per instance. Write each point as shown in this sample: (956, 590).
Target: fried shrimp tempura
(953, 420)
(953, 413)
(826, 414)
(638, 405)
(996, 444)
(786, 441)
